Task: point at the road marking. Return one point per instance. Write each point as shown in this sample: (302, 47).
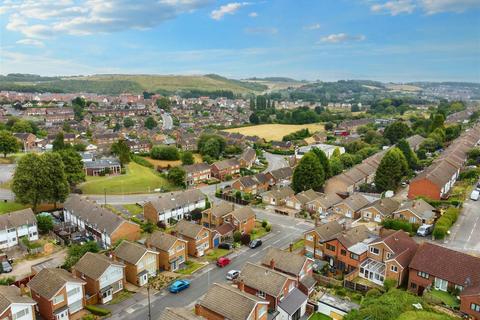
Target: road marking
(129, 310)
(471, 233)
(275, 242)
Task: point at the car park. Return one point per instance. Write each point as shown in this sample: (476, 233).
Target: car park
(255, 243)
(222, 262)
(232, 274)
(179, 285)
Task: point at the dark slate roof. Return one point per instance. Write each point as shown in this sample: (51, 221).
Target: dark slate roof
(293, 301)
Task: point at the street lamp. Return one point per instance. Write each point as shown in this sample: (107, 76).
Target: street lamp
(148, 297)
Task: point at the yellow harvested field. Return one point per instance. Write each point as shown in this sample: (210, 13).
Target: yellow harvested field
(276, 131)
(163, 164)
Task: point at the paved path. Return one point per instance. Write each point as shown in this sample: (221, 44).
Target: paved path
(167, 121)
(465, 234)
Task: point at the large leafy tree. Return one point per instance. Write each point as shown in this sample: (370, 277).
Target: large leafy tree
(391, 170)
(73, 164)
(211, 145)
(122, 151)
(164, 153)
(77, 251)
(322, 157)
(8, 143)
(176, 176)
(308, 174)
(396, 131)
(59, 142)
(128, 122)
(187, 158)
(410, 156)
(150, 123)
(55, 177)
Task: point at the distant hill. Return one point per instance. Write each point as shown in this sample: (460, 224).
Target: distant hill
(118, 83)
(274, 79)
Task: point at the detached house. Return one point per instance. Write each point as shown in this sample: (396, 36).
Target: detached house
(281, 176)
(242, 219)
(222, 301)
(416, 211)
(224, 168)
(388, 258)
(300, 200)
(104, 277)
(315, 238)
(104, 225)
(172, 251)
(58, 293)
(379, 210)
(140, 262)
(323, 203)
(197, 173)
(434, 266)
(277, 197)
(350, 207)
(16, 305)
(247, 158)
(17, 224)
(27, 140)
(214, 216)
(174, 205)
(198, 237)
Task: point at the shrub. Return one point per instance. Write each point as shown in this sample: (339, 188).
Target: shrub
(161, 225)
(373, 293)
(389, 283)
(440, 232)
(88, 317)
(268, 228)
(164, 153)
(98, 311)
(245, 239)
(7, 281)
(444, 223)
(341, 292)
(148, 227)
(264, 223)
(398, 224)
(237, 236)
(143, 162)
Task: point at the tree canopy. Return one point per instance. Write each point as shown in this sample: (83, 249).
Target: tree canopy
(165, 153)
(211, 145)
(150, 123)
(8, 143)
(391, 170)
(308, 174)
(396, 131)
(122, 151)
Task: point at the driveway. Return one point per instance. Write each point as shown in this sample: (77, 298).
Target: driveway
(24, 268)
(465, 234)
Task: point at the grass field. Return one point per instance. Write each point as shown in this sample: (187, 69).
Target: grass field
(138, 179)
(426, 315)
(10, 206)
(133, 208)
(170, 164)
(276, 131)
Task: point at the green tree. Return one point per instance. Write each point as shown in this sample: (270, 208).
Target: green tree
(211, 145)
(128, 122)
(438, 121)
(176, 175)
(22, 126)
(347, 160)
(322, 157)
(396, 131)
(150, 123)
(29, 180)
(73, 165)
(391, 170)
(122, 151)
(329, 126)
(79, 147)
(56, 179)
(187, 158)
(44, 223)
(8, 143)
(59, 142)
(164, 103)
(77, 251)
(336, 166)
(165, 153)
(308, 174)
(410, 156)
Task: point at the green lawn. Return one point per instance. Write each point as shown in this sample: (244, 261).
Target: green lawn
(191, 267)
(10, 206)
(122, 296)
(424, 315)
(299, 244)
(214, 254)
(138, 179)
(445, 297)
(319, 316)
(133, 208)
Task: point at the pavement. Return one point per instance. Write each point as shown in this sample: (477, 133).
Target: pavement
(275, 161)
(285, 230)
(465, 234)
(167, 121)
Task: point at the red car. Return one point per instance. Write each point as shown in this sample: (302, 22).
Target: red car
(222, 262)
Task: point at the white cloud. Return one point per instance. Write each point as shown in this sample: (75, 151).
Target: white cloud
(31, 42)
(394, 7)
(46, 18)
(314, 26)
(253, 14)
(270, 31)
(342, 37)
(229, 8)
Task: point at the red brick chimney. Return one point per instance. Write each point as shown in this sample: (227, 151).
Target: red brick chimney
(290, 247)
(241, 285)
(272, 264)
(316, 221)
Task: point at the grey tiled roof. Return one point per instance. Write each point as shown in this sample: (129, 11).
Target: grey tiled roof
(48, 281)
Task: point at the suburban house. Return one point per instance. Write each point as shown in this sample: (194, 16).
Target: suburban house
(350, 207)
(416, 211)
(315, 238)
(295, 265)
(225, 168)
(328, 149)
(247, 158)
(299, 201)
(223, 301)
(17, 305)
(277, 197)
(347, 249)
(415, 141)
(388, 258)
(214, 216)
(174, 205)
(27, 140)
(281, 176)
(323, 203)
(443, 269)
(102, 166)
(58, 293)
(379, 210)
(104, 225)
(198, 237)
(242, 219)
(104, 278)
(197, 173)
(266, 283)
(172, 251)
(246, 184)
(140, 263)
(17, 224)
(178, 314)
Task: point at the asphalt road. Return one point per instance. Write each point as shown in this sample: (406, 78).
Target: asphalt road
(465, 234)
(275, 161)
(6, 173)
(167, 121)
(284, 231)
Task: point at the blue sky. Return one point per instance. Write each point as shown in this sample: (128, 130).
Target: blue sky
(386, 40)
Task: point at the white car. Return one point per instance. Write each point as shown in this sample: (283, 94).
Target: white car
(232, 274)
(475, 195)
(425, 230)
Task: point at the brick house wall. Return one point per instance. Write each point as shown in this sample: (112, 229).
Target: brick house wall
(382, 255)
(126, 231)
(416, 283)
(408, 215)
(46, 307)
(92, 287)
(343, 209)
(349, 263)
(423, 187)
(466, 302)
(150, 213)
(399, 276)
(164, 257)
(313, 244)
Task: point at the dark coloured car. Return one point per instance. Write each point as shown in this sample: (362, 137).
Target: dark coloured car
(225, 245)
(255, 243)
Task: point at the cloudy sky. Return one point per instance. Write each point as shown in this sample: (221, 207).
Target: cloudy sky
(388, 40)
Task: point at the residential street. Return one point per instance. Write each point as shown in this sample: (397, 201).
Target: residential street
(284, 231)
(465, 234)
(167, 121)
(275, 161)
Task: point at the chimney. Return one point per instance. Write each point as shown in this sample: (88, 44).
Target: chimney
(23, 290)
(344, 226)
(241, 285)
(290, 247)
(316, 221)
(198, 309)
(272, 264)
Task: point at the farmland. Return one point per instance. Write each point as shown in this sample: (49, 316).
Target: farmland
(163, 164)
(275, 131)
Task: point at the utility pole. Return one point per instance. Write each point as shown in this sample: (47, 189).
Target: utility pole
(105, 194)
(149, 307)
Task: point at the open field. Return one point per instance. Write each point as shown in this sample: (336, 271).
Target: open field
(276, 131)
(11, 206)
(170, 164)
(138, 179)
(403, 87)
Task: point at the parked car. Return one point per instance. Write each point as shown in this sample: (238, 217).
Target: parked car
(425, 230)
(6, 267)
(225, 245)
(232, 274)
(255, 243)
(222, 262)
(478, 186)
(475, 195)
(179, 285)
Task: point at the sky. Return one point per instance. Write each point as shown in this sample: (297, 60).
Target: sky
(385, 40)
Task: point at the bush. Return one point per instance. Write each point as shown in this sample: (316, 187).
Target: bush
(245, 239)
(44, 223)
(164, 153)
(440, 232)
(98, 311)
(237, 236)
(389, 284)
(398, 224)
(88, 317)
(444, 223)
(141, 161)
(161, 225)
(7, 281)
(268, 228)
(264, 223)
(373, 293)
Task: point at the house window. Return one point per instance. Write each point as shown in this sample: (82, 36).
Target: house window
(393, 268)
(354, 256)
(330, 247)
(413, 285)
(459, 288)
(309, 237)
(21, 313)
(389, 255)
(375, 251)
(58, 299)
(73, 291)
(423, 274)
(262, 311)
(475, 307)
(261, 294)
(441, 284)
(343, 252)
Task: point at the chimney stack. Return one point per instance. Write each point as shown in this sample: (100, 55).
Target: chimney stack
(272, 264)
(241, 285)
(290, 247)
(316, 221)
